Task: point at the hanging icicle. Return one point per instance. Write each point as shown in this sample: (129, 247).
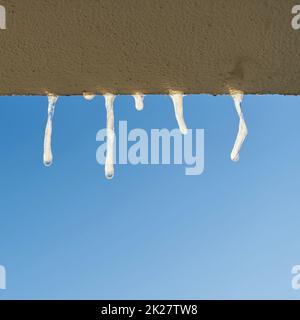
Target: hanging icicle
(88, 96)
(139, 101)
(48, 158)
(243, 131)
(178, 107)
(109, 163)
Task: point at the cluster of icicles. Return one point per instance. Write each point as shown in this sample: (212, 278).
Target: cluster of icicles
(177, 99)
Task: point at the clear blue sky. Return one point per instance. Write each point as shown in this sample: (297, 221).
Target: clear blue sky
(151, 232)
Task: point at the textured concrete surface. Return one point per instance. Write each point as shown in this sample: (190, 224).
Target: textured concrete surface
(154, 46)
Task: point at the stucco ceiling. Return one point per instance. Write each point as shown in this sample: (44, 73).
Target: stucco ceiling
(153, 46)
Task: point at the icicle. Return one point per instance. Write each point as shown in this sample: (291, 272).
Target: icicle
(109, 163)
(48, 159)
(237, 98)
(88, 96)
(139, 101)
(178, 106)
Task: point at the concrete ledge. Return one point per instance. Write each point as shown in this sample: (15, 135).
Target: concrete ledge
(124, 46)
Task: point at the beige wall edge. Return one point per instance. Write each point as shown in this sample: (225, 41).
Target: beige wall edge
(153, 46)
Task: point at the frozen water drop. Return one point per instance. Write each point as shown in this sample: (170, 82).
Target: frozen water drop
(109, 175)
(88, 96)
(243, 131)
(48, 158)
(48, 163)
(178, 107)
(139, 101)
(110, 119)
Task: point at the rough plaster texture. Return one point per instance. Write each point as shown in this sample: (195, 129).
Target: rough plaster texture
(154, 46)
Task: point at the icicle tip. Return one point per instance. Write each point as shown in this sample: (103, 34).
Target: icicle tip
(88, 96)
(139, 101)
